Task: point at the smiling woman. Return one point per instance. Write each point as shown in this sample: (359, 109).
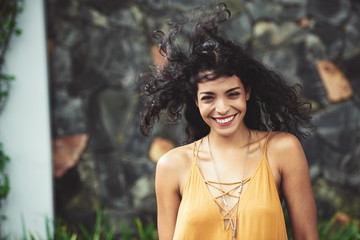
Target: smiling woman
(243, 159)
(222, 104)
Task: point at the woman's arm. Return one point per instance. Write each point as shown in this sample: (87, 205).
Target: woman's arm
(296, 187)
(168, 173)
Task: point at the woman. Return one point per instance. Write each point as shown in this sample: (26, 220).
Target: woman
(230, 181)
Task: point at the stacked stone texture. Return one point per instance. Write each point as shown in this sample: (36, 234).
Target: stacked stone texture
(97, 48)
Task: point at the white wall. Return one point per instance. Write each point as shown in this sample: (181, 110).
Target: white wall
(25, 127)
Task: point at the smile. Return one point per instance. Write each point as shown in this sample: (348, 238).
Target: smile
(225, 121)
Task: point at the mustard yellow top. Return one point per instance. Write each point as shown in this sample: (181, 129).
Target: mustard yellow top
(260, 214)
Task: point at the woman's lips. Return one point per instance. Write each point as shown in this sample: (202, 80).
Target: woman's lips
(224, 121)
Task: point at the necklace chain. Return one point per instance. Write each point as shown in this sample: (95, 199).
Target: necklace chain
(232, 223)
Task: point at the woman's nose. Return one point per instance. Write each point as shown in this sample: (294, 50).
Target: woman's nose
(222, 106)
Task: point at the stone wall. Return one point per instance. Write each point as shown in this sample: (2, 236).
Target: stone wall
(96, 49)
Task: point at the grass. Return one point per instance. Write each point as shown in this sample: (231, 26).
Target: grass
(334, 229)
(339, 227)
(102, 230)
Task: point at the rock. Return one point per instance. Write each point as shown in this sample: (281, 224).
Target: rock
(112, 183)
(68, 116)
(98, 19)
(144, 189)
(109, 6)
(159, 147)
(336, 84)
(67, 151)
(62, 67)
(337, 125)
(332, 198)
(183, 4)
(156, 4)
(313, 87)
(350, 167)
(259, 10)
(239, 28)
(135, 168)
(269, 34)
(87, 171)
(313, 147)
(314, 48)
(351, 70)
(332, 38)
(292, 2)
(334, 12)
(283, 61)
(294, 12)
(352, 36)
(130, 19)
(117, 110)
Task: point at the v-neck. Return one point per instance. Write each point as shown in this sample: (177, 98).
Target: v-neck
(212, 198)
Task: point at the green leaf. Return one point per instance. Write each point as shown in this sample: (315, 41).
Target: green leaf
(125, 231)
(18, 31)
(47, 227)
(84, 231)
(23, 228)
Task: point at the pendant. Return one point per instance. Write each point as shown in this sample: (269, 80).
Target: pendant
(223, 197)
(240, 189)
(233, 227)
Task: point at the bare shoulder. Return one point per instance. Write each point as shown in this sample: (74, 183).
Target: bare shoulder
(173, 168)
(283, 142)
(285, 149)
(176, 159)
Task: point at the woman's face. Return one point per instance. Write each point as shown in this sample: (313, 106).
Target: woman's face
(222, 104)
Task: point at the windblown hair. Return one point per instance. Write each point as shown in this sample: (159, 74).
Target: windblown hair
(192, 47)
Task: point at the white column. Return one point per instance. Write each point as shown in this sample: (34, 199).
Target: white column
(25, 128)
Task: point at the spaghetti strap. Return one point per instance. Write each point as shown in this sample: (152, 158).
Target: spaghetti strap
(259, 143)
(266, 142)
(193, 152)
(195, 155)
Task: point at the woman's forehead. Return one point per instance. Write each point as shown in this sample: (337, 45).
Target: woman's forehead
(223, 81)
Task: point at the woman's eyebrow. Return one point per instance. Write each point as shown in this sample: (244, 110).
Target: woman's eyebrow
(209, 93)
(232, 89)
(227, 91)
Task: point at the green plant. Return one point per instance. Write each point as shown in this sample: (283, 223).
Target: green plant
(149, 233)
(9, 9)
(102, 228)
(4, 178)
(333, 230)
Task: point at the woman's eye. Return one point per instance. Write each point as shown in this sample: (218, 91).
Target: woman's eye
(234, 94)
(206, 98)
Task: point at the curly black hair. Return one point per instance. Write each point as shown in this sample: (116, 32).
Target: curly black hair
(193, 46)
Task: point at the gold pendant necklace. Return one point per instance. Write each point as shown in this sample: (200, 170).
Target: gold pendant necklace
(232, 223)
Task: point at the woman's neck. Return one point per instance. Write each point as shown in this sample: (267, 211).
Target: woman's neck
(239, 139)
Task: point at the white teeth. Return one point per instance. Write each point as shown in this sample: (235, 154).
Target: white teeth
(225, 120)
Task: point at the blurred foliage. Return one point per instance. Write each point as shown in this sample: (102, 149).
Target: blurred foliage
(9, 9)
(337, 228)
(340, 227)
(4, 178)
(102, 230)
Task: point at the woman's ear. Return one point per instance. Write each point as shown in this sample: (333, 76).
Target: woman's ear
(248, 93)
